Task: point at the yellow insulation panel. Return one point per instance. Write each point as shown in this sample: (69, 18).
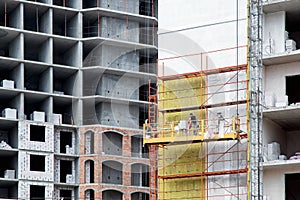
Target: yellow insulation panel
(181, 160)
(179, 93)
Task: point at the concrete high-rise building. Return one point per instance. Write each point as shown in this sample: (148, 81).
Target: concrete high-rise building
(74, 96)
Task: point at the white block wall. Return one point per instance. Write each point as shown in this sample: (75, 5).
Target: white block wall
(24, 138)
(24, 167)
(24, 189)
(57, 139)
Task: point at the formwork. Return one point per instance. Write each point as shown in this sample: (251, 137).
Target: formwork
(204, 158)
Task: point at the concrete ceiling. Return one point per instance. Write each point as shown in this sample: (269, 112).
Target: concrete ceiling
(287, 118)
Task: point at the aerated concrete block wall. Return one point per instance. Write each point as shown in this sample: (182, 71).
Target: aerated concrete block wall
(24, 189)
(24, 167)
(73, 149)
(24, 137)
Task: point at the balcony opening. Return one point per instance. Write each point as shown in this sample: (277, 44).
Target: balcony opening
(292, 181)
(37, 163)
(37, 192)
(65, 141)
(139, 196)
(112, 194)
(140, 175)
(112, 143)
(89, 194)
(37, 133)
(89, 171)
(66, 170)
(112, 172)
(65, 194)
(137, 148)
(292, 21)
(292, 90)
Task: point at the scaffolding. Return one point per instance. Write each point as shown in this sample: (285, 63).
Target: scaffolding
(202, 158)
(218, 155)
(255, 103)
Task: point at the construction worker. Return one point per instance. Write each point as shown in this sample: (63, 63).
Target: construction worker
(192, 124)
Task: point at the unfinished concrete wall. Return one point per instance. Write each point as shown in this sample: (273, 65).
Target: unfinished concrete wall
(273, 133)
(274, 33)
(119, 29)
(131, 6)
(118, 115)
(275, 79)
(113, 57)
(120, 58)
(276, 189)
(118, 86)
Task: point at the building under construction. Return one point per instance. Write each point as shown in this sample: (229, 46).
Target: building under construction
(91, 108)
(74, 79)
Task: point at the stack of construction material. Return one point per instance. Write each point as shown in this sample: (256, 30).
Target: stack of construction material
(290, 45)
(8, 84)
(9, 113)
(295, 157)
(9, 173)
(37, 116)
(273, 151)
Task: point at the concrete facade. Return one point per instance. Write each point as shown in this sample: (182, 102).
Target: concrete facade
(281, 76)
(74, 74)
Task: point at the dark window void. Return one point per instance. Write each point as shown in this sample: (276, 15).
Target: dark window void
(37, 192)
(292, 91)
(292, 27)
(112, 143)
(89, 171)
(65, 194)
(89, 4)
(65, 169)
(112, 172)
(37, 163)
(112, 194)
(292, 182)
(139, 196)
(89, 194)
(37, 133)
(65, 139)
